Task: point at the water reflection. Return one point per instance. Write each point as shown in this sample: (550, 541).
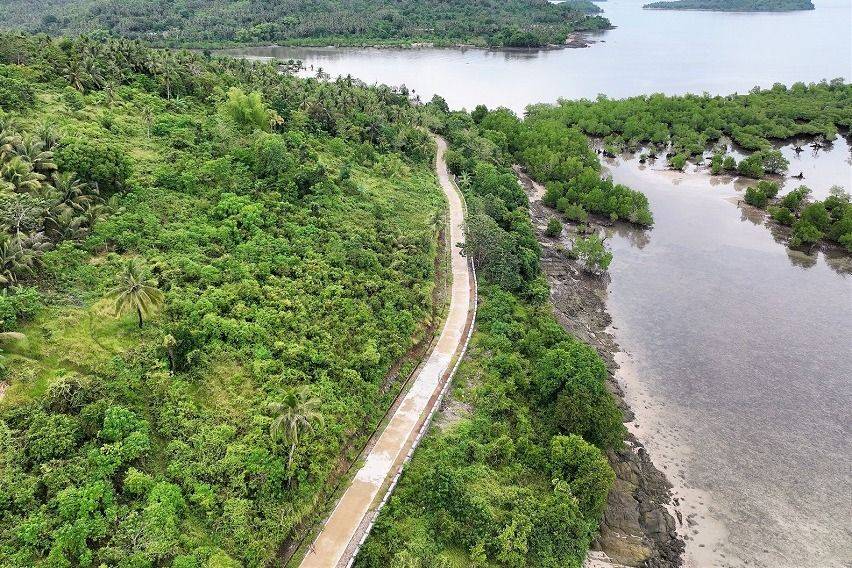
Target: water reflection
(743, 345)
(637, 238)
(801, 259)
(830, 164)
(751, 214)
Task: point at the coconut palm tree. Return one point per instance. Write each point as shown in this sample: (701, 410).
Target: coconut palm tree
(18, 175)
(72, 193)
(16, 259)
(134, 292)
(34, 151)
(298, 412)
(75, 74)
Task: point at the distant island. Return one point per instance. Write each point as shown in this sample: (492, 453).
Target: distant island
(734, 5)
(203, 24)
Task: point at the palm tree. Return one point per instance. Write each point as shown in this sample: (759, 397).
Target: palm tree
(297, 413)
(72, 193)
(76, 76)
(34, 151)
(17, 174)
(135, 292)
(15, 259)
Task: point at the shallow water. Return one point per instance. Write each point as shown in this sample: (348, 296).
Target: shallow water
(739, 372)
(650, 51)
(738, 352)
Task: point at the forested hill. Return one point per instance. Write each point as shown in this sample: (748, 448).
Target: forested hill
(196, 254)
(734, 5)
(209, 23)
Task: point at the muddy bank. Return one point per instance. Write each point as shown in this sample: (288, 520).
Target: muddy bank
(637, 528)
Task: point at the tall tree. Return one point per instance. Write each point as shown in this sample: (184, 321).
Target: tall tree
(295, 414)
(135, 292)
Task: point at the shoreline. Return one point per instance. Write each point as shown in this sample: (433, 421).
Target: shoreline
(574, 40)
(673, 9)
(639, 527)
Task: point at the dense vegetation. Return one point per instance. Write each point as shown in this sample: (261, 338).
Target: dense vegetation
(512, 23)
(214, 267)
(515, 474)
(685, 127)
(734, 5)
(830, 219)
(553, 153)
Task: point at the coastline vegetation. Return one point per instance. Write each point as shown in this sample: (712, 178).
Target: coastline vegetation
(205, 24)
(810, 222)
(734, 5)
(554, 154)
(686, 127)
(207, 272)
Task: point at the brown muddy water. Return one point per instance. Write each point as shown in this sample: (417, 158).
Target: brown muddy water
(739, 367)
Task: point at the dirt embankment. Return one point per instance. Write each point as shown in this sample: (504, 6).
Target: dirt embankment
(637, 528)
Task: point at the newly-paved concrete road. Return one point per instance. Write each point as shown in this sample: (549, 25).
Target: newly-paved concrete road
(363, 494)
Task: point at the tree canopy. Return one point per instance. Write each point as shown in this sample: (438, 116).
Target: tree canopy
(183, 23)
(289, 230)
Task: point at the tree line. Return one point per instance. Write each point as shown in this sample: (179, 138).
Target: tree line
(734, 5)
(183, 23)
(701, 128)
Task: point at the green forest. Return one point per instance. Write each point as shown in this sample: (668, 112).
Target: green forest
(697, 128)
(211, 274)
(692, 124)
(203, 23)
(519, 476)
(734, 5)
(207, 273)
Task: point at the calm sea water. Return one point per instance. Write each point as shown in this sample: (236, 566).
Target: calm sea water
(650, 51)
(738, 352)
(739, 366)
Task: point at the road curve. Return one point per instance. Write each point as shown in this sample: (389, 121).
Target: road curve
(353, 516)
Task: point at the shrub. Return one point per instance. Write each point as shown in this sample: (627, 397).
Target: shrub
(575, 213)
(73, 98)
(769, 188)
(717, 164)
(105, 166)
(817, 215)
(751, 166)
(796, 198)
(18, 304)
(782, 215)
(805, 234)
(754, 196)
(16, 94)
(773, 161)
(678, 161)
(586, 470)
(592, 252)
(554, 228)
